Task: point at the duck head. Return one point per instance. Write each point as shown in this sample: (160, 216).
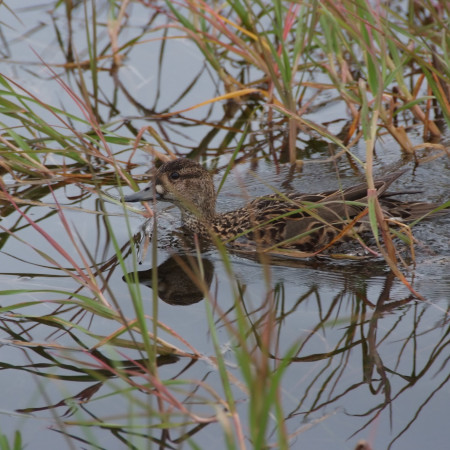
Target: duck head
(184, 183)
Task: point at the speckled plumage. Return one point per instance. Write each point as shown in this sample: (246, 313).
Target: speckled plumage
(305, 222)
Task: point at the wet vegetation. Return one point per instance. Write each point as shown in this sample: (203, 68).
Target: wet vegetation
(245, 350)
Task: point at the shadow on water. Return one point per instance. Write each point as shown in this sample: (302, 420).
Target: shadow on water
(180, 280)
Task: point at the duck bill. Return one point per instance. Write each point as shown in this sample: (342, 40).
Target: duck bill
(144, 195)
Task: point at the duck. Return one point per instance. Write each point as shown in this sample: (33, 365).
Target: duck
(304, 222)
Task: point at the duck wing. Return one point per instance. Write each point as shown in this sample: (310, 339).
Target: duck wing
(307, 222)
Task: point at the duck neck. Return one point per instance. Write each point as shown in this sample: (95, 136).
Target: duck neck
(200, 212)
(195, 223)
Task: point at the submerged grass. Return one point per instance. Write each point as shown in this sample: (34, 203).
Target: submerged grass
(272, 63)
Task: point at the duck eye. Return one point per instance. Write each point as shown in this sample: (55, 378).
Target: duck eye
(174, 176)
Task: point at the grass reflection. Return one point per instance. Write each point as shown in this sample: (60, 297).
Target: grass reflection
(265, 351)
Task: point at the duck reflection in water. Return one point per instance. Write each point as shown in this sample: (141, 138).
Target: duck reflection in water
(182, 279)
